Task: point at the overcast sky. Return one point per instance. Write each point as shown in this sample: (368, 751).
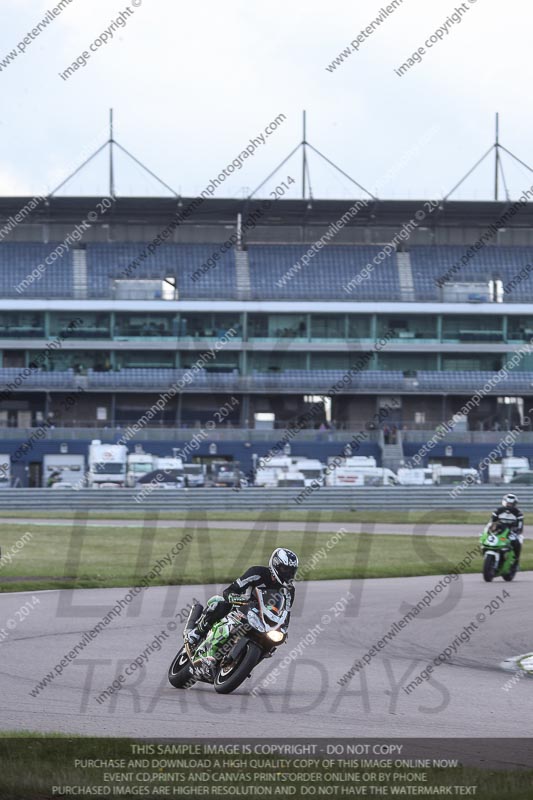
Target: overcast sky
(191, 84)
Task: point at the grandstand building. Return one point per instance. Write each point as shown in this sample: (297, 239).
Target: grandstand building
(286, 306)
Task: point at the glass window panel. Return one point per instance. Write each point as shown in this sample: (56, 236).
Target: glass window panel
(147, 359)
(134, 325)
(331, 361)
(405, 328)
(209, 326)
(407, 361)
(359, 326)
(78, 360)
(277, 326)
(327, 326)
(472, 328)
(520, 329)
(89, 324)
(276, 362)
(22, 325)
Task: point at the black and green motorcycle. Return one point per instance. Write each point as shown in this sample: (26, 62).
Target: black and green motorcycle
(234, 646)
(498, 554)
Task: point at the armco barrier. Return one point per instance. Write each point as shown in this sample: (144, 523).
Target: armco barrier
(404, 498)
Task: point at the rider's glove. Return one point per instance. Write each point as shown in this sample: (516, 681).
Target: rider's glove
(236, 598)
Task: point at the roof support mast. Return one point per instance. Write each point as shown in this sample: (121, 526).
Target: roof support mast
(111, 167)
(498, 166)
(304, 156)
(306, 177)
(497, 156)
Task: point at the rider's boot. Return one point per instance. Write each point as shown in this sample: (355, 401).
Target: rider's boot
(212, 612)
(195, 635)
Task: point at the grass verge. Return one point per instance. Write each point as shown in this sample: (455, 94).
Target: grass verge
(104, 557)
(39, 768)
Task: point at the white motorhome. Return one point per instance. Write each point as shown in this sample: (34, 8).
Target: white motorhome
(5, 471)
(107, 465)
(138, 464)
(292, 479)
(268, 471)
(359, 471)
(360, 461)
(361, 476)
(61, 470)
(449, 475)
(513, 466)
(418, 476)
(311, 468)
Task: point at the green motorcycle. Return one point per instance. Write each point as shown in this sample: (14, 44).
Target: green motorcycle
(235, 645)
(498, 554)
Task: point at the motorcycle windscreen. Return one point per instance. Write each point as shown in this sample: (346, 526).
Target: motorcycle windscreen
(273, 606)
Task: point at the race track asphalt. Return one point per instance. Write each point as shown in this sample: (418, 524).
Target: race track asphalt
(464, 697)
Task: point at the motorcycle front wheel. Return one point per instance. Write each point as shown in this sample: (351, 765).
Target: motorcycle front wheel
(512, 572)
(179, 673)
(489, 569)
(230, 676)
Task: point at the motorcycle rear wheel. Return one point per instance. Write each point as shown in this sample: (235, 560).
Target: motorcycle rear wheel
(179, 673)
(228, 679)
(489, 570)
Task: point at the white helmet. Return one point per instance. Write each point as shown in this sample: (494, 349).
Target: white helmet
(283, 565)
(509, 501)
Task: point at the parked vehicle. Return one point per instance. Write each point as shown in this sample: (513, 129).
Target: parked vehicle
(230, 475)
(451, 475)
(137, 465)
(268, 471)
(360, 474)
(107, 465)
(173, 467)
(507, 469)
(163, 479)
(523, 478)
(293, 479)
(61, 470)
(513, 466)
(311, 468)
(194, 474)
(419, 476)
(5, 471)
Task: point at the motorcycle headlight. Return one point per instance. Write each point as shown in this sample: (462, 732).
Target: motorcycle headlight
(276, 636)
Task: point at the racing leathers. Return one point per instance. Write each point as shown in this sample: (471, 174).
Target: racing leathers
(237, 592)
(514, 520)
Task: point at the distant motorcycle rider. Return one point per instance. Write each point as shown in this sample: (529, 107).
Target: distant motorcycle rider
(279, 574)
(509, 515)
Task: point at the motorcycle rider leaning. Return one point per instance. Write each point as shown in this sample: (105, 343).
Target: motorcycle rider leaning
(509, 515)
(280, 572)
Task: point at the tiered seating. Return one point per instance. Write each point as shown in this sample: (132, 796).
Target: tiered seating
(38, 379)
(106, 262)
(19, 260)
(460, 381)
(324, 277)
(431, 264)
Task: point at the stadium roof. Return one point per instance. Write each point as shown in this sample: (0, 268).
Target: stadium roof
(149, 210)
